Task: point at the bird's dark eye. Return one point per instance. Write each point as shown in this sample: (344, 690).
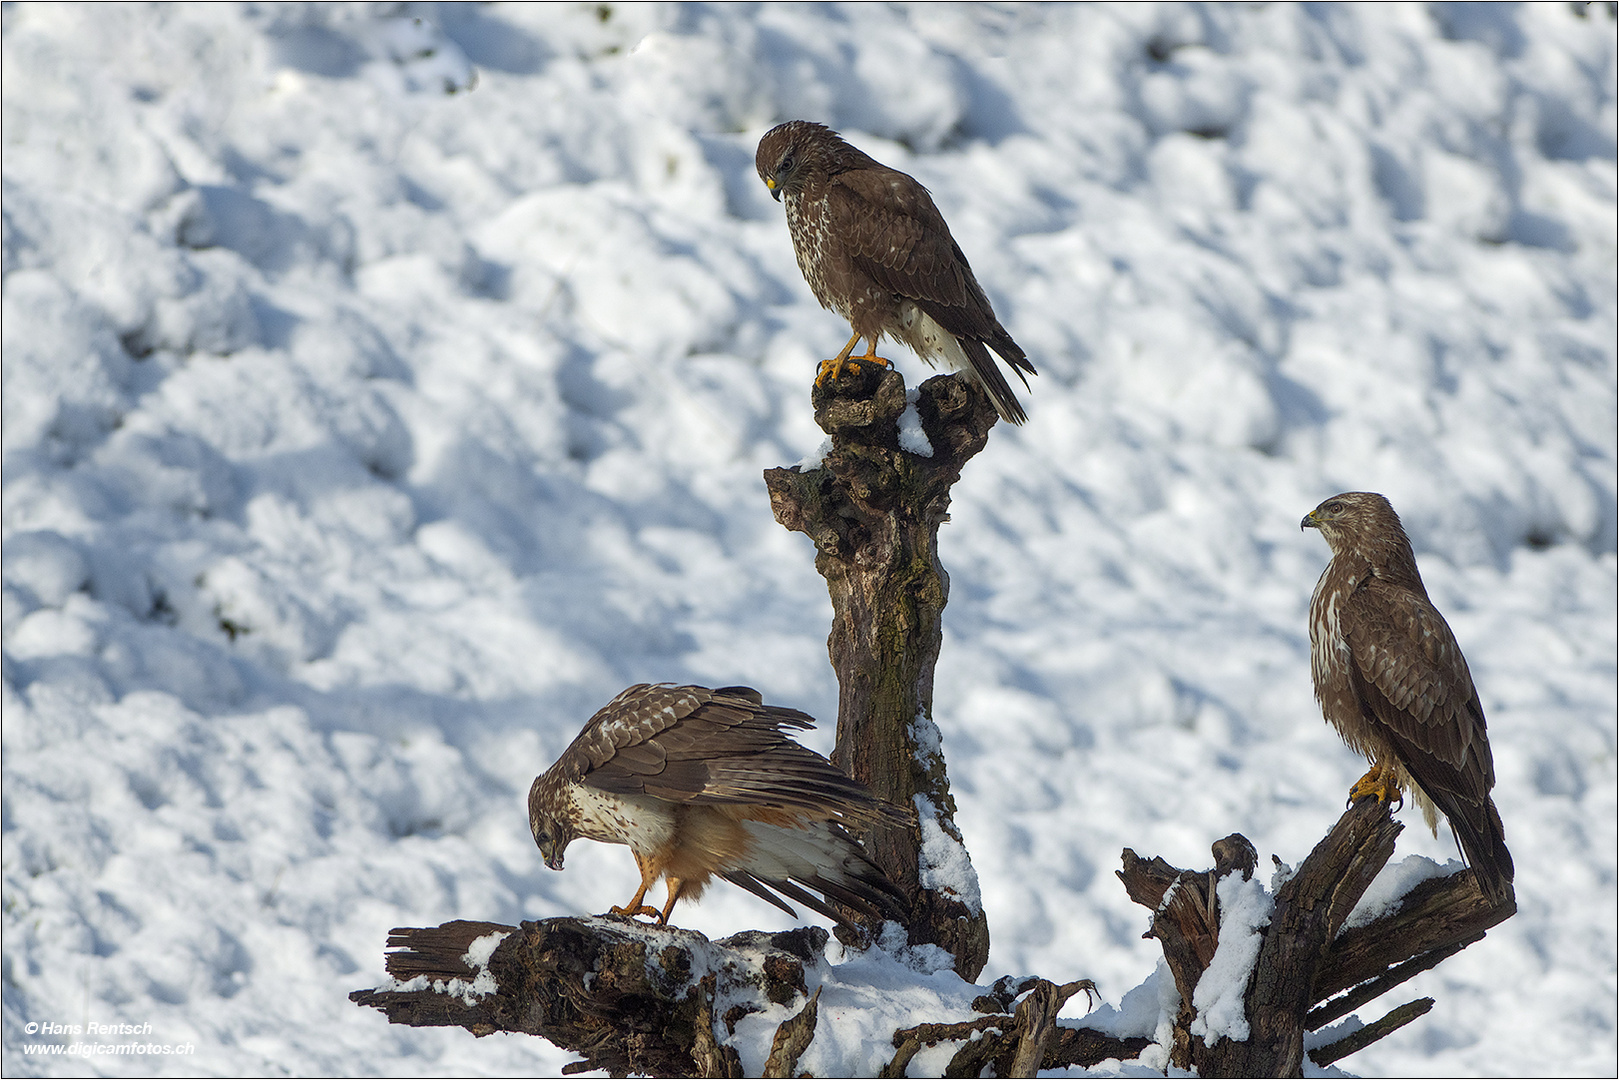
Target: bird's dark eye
(786, 164)
(1335, 507)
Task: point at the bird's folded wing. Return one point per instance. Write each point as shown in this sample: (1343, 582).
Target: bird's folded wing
(907, 255)
(1411, 672)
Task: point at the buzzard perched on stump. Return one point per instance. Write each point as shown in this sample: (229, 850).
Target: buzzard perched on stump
(1391, 679)
(703, 782)
(875, 249)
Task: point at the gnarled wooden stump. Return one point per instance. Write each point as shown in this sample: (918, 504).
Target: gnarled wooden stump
(629, 997)
(632, 998)
(873, 508)
(1303, 959)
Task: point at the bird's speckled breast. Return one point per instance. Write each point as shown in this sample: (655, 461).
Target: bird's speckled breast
(809, 231)
(637, 820)
(1329, 655)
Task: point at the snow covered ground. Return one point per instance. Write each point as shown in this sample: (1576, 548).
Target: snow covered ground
(386, 387)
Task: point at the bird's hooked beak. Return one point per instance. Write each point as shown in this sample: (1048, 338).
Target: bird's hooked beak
(1309, 522)
(551, 845)
(775, 188)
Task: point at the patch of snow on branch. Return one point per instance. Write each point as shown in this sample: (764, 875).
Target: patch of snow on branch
(912, 439)
(1245, 908)
(943, 864)
(815, 458)
(1392, 883)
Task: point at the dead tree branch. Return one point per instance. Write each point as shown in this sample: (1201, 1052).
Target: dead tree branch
(792, 1039)
(1303, 959)
(628, 997)
(632, 998)
(1398, 1018)
(873, 509)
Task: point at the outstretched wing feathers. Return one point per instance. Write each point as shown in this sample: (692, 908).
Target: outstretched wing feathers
(687, 744)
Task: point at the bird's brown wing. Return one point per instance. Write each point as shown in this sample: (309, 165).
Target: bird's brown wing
(629, 720)
(1412, 676)
(895, 235)
(691, 744)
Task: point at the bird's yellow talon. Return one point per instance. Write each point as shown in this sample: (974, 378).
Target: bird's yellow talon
(1377, 782)
(833, 368)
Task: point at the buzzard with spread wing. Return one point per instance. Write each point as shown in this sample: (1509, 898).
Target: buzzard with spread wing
(703, 782)
(875, 249)
(1390, 677)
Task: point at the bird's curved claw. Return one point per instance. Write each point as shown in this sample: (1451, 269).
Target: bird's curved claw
(1379, 783)
(833, 368)
(630, 913)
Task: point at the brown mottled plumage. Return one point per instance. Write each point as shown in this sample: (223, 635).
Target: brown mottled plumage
(1390, 677)
(875, 249)
(701, 782)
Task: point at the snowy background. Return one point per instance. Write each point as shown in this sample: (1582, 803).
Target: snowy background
(386, 387)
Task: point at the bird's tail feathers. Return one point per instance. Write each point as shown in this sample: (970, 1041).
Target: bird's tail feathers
(1483, 840)
(823, 856)
(987, 373)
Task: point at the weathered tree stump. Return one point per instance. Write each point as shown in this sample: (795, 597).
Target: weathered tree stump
(873, 509)
(1303, 959)
(632, 998)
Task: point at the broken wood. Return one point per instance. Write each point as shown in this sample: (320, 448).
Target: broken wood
(1019, 1043)
(873, 508)
(633, 998)
(630, 998)
(1303, 958)
(1359, 1040)
(792, 1039)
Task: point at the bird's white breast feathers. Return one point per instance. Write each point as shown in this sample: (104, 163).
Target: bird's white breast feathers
(931, 341)
(644, 823)
(809, 233)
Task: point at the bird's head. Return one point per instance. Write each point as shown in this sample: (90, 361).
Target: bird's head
(1350, 520)
(784, 155)
(552, 831)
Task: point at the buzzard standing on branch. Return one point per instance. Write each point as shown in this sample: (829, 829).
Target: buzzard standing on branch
(701, 782)
(1391, 679)
(875, 249)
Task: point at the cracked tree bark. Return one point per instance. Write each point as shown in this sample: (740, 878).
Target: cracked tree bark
(1303, 959)
(628, 998)
(873, 510)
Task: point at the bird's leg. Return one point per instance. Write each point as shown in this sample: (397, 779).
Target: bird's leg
(1381, 781)
(871, 356)
(636, 906)
(677, 888)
